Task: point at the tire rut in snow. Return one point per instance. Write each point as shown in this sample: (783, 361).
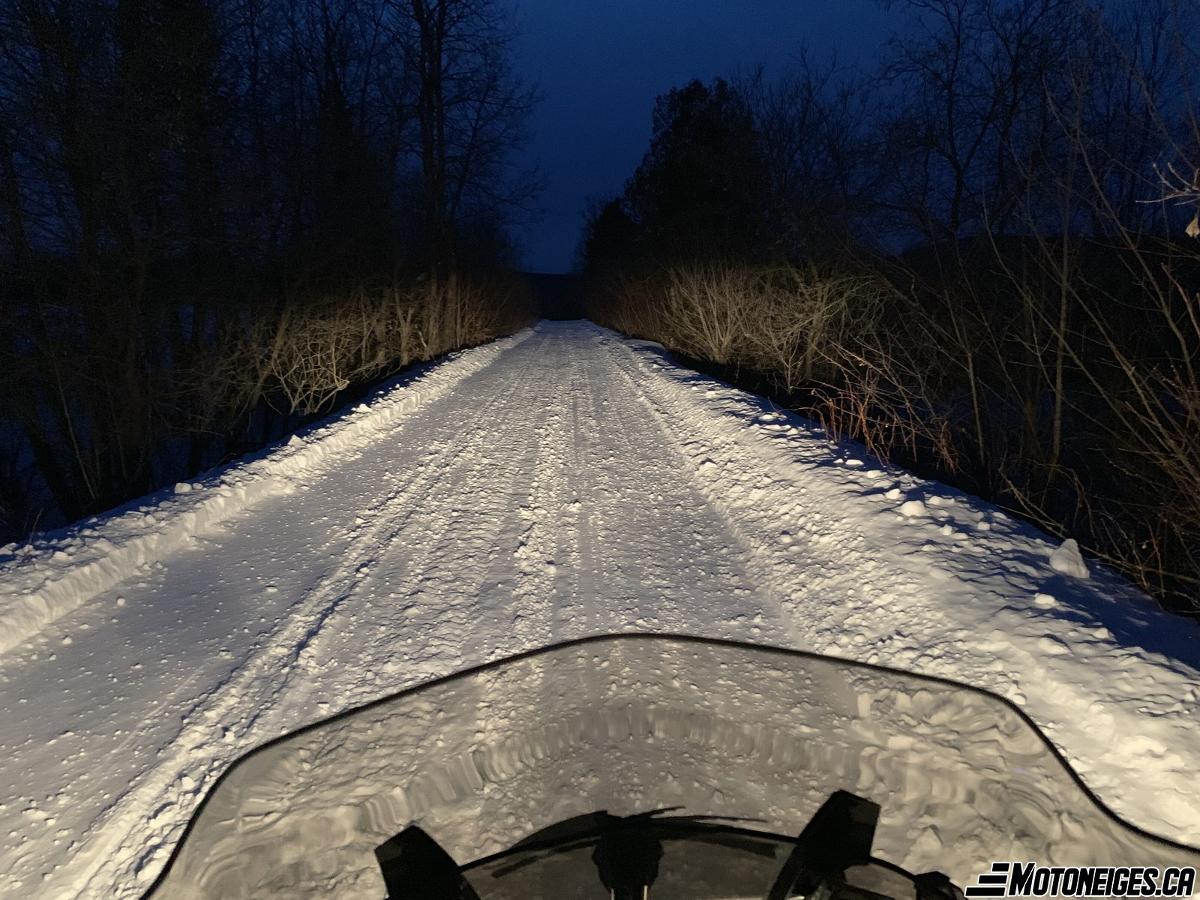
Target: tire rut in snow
(452, 567)
(650, 437)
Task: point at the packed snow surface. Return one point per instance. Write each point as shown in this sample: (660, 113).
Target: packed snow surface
(560, 483)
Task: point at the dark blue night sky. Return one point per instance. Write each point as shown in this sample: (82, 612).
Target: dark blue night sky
(599, 64)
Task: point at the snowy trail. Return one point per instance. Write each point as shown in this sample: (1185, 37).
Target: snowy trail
(574, 483)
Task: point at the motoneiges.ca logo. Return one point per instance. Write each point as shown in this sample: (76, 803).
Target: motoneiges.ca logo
(1028, 879)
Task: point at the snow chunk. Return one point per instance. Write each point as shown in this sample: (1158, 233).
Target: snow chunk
(1053, 646)
(1068, 560)
(912, 508)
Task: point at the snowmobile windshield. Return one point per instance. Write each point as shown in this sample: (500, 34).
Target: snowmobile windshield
(637, 723)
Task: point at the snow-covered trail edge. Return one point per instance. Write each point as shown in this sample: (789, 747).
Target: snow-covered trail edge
(941, 583)
(42, 581)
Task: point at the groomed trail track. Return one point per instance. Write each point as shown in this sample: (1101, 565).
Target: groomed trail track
(558, 483)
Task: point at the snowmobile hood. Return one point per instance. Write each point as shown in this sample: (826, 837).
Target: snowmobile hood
(632, 723)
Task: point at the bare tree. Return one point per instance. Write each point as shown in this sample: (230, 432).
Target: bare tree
(814, 128)
(973, 134)
(470, 110)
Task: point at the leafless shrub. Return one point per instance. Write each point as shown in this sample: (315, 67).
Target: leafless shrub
(302, 357)
(804, 320)
(706, 308)
(812, 330)
(325, 348)
(1182, 189)
(628, 303)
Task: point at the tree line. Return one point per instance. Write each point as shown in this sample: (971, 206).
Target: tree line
(977, 259)
(219, 216)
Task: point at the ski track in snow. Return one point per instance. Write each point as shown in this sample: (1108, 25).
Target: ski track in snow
(566, 484)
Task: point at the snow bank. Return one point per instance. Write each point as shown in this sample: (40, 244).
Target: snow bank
(58, 572)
